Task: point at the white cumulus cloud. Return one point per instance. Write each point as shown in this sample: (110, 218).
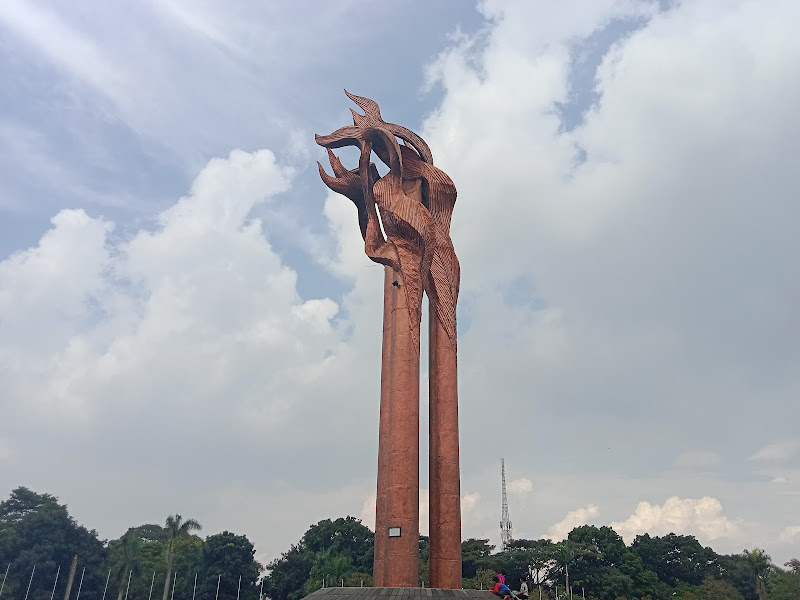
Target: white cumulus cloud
(575, 518)
(469, 502)
(520, 486)
(790, 534)
(702, 517)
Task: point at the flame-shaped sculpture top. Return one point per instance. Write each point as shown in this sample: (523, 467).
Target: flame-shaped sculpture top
(415, 201)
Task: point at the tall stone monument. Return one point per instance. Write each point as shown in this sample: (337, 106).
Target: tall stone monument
(415, 202)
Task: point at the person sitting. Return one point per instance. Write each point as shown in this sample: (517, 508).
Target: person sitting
(500, 589)
(522, 594)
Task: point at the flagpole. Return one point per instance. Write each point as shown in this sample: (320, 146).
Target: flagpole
(174, 577)
(218, 581)
(30, 582)
(80, 585)
(194, 589)
(152, 581)
(239, 589)
(55, 582)
(4, 578)
(105, 589)
(129, 584)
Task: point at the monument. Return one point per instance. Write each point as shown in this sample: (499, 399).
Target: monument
(404, 217)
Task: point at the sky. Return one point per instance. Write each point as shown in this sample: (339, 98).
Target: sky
(188, 322)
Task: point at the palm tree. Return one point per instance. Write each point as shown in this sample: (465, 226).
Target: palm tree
(761, 563)
(566, 554)
(130, 551)
(176, 528)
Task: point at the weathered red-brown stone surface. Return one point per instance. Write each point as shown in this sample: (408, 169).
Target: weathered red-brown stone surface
(415, 202)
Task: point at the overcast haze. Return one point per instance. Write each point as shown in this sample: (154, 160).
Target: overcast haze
(188, 322)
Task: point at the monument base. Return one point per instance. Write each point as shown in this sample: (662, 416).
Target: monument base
(367, 593)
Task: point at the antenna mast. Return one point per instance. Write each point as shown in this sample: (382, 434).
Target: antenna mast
(505, 522)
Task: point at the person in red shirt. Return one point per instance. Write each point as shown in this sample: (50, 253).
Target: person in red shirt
(500, 589)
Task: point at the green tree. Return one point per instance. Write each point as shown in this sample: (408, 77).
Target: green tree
(737, 570)
(424, 560)
(187, 560)
(343, 537)
(150, 541)
(330, 568)
(607, 568)
(36, 530)
(288, 574)
(125, 559)
(481, 581)
(149, 533)
(760, 563)
(346, 536)
(710, 589)
(793, 565)
(783, 585)
(565, 555)
(532, 559)
(177, 528)
(676, 558)
(24, 502)
(475, 555)
(607, 542)
(231, 556)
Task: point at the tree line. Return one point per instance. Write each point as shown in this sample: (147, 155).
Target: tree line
(593, 562)
(39, 541)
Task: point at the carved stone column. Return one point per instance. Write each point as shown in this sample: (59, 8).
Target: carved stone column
(445, 477)
(397, 499)
(379, 564)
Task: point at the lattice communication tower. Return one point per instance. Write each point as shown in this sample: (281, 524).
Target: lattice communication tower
(505, 522)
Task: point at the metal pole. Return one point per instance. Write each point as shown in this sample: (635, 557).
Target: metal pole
(30, 582)
(218, 580)
(195, 586)
(80, 585)
(55, 582)
(129, 584)
(260, 589)
(174, 577)
(4, 578)
(152, 581)
(239, 589)
(105, 589)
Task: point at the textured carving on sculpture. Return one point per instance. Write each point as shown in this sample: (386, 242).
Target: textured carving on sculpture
(415, 201)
